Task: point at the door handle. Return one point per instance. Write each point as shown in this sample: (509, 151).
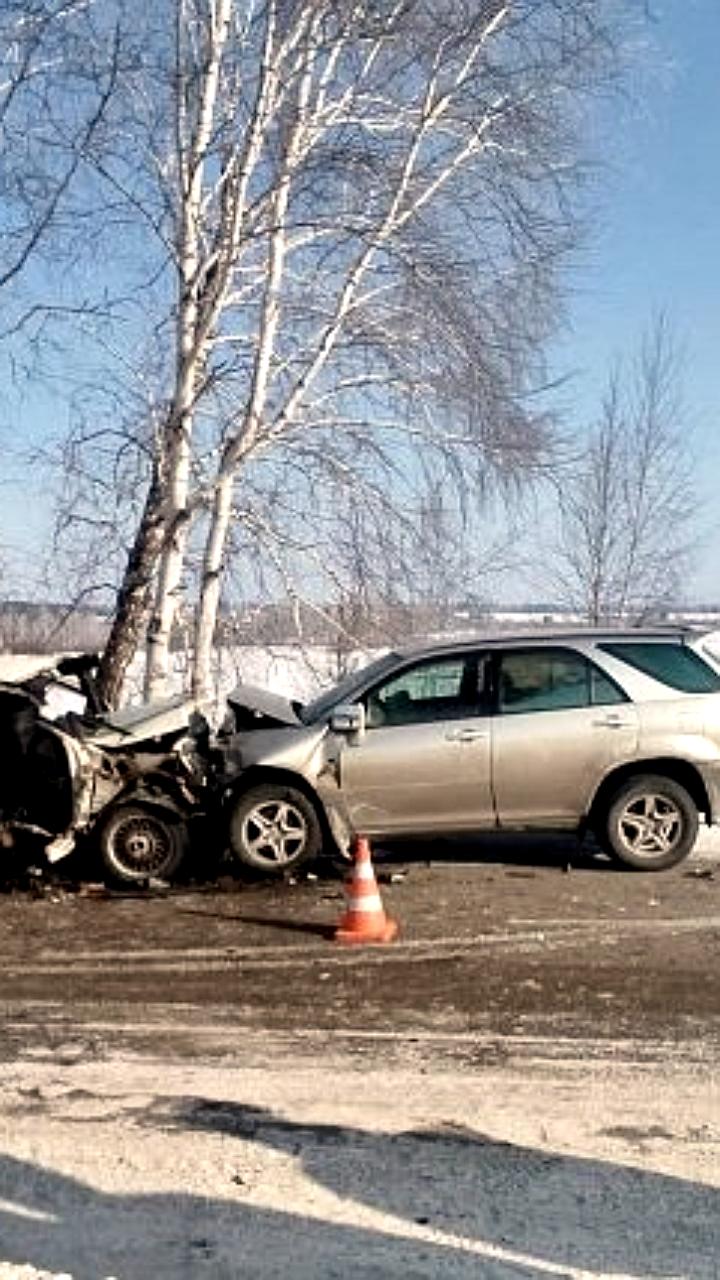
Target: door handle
(466, 735)
(611, 722)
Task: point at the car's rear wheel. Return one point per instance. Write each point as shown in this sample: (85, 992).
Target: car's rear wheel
(274, 827)
(138, 843)
(651, 823)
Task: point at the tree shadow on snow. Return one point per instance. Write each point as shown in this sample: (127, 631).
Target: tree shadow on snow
(484, 1208)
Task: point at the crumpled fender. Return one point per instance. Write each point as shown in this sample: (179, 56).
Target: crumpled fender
(84, 762)
(312, 753)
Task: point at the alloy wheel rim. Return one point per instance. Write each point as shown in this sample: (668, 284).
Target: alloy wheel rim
(651, 825)
(275, 832)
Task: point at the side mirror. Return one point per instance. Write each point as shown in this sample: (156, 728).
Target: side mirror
(348, 718)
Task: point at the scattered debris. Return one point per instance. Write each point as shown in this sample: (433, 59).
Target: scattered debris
(391, 877)
(93, 890)
(156, 885)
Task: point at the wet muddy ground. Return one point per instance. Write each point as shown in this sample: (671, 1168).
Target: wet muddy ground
(516, 938)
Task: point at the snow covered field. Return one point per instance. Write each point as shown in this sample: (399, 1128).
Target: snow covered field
(291, 670)
(295, 671)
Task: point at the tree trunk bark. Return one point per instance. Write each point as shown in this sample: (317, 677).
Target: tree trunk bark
(133, 598)
(171, 555)
(195, 146)
(210, 590)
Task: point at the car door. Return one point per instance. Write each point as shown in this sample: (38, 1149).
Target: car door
(560, 725)
(423, 763)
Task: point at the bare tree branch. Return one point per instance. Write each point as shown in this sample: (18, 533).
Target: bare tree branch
(627, 509)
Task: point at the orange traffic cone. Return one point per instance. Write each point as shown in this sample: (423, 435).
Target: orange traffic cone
(364, 919)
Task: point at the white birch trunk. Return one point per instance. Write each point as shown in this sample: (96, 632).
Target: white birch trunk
(191, 359)
(209, 602)
(221, 513)
(243, 442)
(172, 558)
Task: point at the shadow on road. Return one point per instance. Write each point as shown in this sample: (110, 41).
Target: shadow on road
(531, 849)
(325, 931)
(457, 1204)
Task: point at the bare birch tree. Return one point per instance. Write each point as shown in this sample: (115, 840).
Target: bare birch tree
(55, 86)
(56, 82)
(360, 211)
(356, 575)
(627, 510)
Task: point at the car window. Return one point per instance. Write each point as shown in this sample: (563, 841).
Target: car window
(552, 680)
(440, 689)
(347, 689)
(672, 663)
(603, 690)
(711, 650)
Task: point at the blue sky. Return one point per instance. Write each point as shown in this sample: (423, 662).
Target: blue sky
(656, 245)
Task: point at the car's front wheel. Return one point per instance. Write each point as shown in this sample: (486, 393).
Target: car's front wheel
(651, 823)
(138, 843)
(274, 827)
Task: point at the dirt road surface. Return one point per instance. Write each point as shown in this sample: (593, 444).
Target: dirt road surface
(200, 1083)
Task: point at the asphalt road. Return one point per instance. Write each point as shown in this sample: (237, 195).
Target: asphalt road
(514, 939)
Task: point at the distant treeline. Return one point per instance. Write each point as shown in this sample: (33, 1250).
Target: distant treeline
(30, 627)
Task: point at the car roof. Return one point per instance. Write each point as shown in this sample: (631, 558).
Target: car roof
(542, 636)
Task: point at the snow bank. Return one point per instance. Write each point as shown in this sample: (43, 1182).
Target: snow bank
(11, 1271)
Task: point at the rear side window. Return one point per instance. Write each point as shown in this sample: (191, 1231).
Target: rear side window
(552, 680)
(672, 664)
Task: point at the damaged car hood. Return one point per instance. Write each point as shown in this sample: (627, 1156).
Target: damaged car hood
(137, 724)
(268, 708)
(15, 668)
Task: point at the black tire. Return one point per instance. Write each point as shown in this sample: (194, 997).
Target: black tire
(273, 828)
(651, 823)
(138, 843)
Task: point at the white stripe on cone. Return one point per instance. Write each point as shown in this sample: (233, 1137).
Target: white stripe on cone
(363, 871)
(366, 902)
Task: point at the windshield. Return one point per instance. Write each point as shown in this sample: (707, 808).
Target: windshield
(346, 690)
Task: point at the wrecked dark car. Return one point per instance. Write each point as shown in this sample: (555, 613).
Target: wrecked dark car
(123, 783)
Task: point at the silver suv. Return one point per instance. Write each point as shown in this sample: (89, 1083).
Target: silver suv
(616, 732)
